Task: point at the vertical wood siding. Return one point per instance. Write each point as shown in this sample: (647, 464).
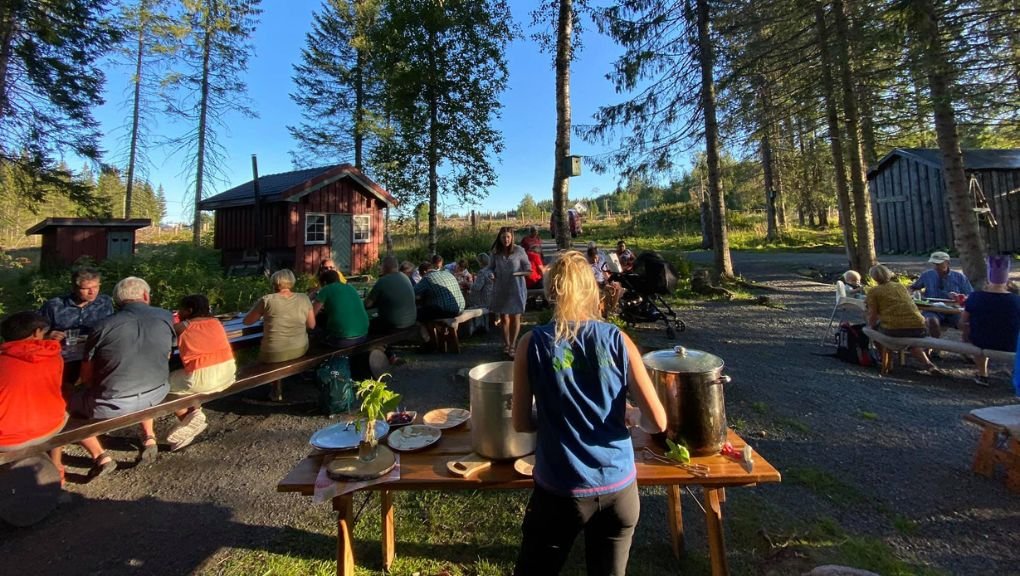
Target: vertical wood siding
(284, 226)
(911, 211)
(66, 244)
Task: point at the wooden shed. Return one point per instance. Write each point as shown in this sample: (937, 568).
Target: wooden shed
(911, 211)
(306, 215)
(65, 240)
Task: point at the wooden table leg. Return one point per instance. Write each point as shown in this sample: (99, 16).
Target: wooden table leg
(344, 506)
(716, 544)
(388, 530)
(984, 456)
(675, 519)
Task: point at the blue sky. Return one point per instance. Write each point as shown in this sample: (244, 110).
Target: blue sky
(527, 123)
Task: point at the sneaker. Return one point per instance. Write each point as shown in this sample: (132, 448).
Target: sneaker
(186, 430)
(981, 380)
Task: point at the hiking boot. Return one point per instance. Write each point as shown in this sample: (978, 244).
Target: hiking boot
(186, 430)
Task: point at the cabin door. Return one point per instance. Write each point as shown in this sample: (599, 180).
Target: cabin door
(118, 243)
(340, 241)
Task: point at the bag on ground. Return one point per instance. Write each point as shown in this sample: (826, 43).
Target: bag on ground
(853, 345)
(336, 387)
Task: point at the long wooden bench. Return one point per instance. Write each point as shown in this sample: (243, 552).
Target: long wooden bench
(890, 344)
(446, 331)
(999, 443)
(250, 376)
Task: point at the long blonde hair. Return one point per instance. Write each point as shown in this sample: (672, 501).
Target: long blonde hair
(570, 285)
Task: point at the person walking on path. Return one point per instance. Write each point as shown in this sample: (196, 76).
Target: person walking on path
(579, 370)
(510, 266)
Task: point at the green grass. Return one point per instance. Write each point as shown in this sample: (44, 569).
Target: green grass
(793, 424)
(867, 415)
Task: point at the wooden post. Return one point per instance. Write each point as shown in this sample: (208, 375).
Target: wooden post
(388, 529)
(713, 520)
(675, 519)
(344, 506)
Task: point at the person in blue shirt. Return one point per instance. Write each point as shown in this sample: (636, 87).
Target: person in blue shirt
(578, 370)
(82, 309)
(941, 282)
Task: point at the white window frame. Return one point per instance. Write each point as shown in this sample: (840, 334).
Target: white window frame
(366, 226)
(310, 235)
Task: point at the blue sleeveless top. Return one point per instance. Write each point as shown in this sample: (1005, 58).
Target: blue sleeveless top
(583, 445)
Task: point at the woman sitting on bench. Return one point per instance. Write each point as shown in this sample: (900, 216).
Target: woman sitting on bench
(208, 365)
(991, 317)
(892, 312)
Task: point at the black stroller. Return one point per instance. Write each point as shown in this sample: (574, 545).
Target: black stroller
(645, 284)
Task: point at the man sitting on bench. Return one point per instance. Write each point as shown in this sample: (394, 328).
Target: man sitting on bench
(125, 370)
(393, 296)
(941, 282)
(31, 406)
(346, 319)
(439, 293)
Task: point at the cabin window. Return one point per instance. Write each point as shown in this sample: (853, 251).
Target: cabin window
(362, 228)
(315, 228)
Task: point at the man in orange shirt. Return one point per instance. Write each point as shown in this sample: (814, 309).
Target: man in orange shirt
(31, 406)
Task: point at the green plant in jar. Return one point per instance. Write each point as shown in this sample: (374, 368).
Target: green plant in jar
(376, 400)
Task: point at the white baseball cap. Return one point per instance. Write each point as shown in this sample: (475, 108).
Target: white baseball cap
(938, 258)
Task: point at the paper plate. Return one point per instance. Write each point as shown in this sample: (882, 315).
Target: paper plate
(344, 436)
(414, 437)
(525, 465)
(444, 418)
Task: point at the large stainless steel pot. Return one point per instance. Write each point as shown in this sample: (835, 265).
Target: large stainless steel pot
(492, 430)
(689, 384)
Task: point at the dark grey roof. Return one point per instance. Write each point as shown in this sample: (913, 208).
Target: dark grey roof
(289, 186)
(131, 223)
(973, 159)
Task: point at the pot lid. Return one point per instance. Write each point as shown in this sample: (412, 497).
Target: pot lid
(682, 360)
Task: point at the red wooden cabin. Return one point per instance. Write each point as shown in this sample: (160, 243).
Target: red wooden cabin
(64, 240)
(307, 215)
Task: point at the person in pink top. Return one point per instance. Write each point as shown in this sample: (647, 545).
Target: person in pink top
(208, 365)
(532, 240)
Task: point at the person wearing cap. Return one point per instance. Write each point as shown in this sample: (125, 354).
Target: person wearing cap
(991, 317)
(941, 282)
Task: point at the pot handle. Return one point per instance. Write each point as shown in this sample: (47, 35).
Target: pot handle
(723, 380)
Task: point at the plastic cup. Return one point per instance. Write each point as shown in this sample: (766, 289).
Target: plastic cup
(71, 336)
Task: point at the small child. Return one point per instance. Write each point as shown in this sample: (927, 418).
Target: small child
(854, 288)
(31, 406)
(208, 365)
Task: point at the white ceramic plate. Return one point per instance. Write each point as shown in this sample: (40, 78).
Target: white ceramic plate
(344, 436)
(444, 418)
(414, 437)
(525, 465)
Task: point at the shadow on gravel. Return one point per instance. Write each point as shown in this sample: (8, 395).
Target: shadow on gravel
(112, 537)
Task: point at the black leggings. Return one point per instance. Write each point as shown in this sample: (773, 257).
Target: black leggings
(551, 523)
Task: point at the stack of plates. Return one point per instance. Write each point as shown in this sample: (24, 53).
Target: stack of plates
(344, 436)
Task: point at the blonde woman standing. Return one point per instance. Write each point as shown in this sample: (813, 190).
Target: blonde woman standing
(578, 369)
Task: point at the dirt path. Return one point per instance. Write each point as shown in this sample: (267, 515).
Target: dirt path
(894, 448)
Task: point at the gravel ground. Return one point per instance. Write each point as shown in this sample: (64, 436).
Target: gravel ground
(897, 445)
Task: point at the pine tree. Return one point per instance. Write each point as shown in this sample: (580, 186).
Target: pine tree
(49, 84)
(215, 37)
(442, 67)
(336, 88)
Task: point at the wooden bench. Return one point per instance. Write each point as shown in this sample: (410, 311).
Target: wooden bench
(250, 376)
(890, 344)
(999, 443)
(445, 332)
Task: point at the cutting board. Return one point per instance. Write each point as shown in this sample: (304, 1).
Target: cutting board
(468, 465)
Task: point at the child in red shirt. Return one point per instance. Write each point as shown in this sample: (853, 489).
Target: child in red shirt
(32, 408)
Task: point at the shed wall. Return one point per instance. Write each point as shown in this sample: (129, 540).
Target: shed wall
(64, 245)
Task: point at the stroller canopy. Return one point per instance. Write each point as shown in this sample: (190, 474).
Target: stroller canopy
(652, 274)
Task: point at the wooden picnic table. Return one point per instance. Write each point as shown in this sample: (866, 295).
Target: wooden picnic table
(426, 470)
(934, 307)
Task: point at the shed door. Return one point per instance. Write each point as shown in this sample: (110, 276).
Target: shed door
(118, 243)
(340, 241)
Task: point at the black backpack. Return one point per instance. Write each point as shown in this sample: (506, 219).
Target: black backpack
(853, 345)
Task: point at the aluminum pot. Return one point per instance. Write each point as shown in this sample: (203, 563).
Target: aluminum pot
(689, 384)
(492, 429)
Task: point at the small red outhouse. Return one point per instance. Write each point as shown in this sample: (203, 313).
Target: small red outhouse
(65, 240)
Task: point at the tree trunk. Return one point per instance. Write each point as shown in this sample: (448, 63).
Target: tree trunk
(966, 228)
(720, 240)
(858, 175)
(203, 116)
(136, 106)
(767, 160)
(8, 26)
(835, 142)
(561, 182)
(433, 151)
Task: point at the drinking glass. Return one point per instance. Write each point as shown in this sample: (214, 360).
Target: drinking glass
(71, 336)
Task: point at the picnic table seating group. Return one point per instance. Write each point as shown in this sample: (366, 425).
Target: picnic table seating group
(889, 345)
